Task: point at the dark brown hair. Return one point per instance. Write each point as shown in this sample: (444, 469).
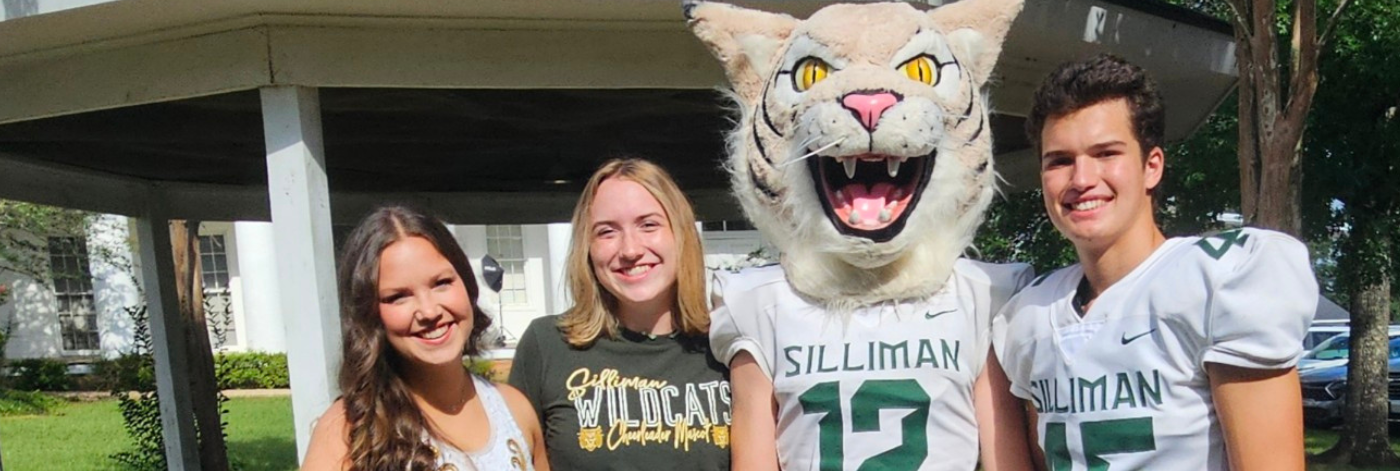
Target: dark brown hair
(1080, 84)
(386, 428)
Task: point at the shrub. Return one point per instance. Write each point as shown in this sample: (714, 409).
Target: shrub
(141, 417)
(40, 374)
(251, 370)
(26, 402)
(483, 368)
(140, 412)
(128, 372)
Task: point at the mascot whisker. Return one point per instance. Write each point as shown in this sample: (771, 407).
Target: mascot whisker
(862, 151)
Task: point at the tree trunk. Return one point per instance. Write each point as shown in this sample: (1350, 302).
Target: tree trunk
(213, 454)
(1274, 101)
(1364, 439)
(1280, 184)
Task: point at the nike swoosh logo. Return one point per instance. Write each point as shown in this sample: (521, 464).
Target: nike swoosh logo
(931, 315)
(1126, 339)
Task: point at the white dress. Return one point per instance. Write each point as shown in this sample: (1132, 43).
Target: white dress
(507, 448)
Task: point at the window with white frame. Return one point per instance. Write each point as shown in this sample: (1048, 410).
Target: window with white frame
(507, 246)
(72, 286)
(218, 302)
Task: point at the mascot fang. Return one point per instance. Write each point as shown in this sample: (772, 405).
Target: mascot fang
(863, 152)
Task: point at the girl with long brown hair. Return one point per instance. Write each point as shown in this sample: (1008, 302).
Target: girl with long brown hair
(408, 315)
(624, 379)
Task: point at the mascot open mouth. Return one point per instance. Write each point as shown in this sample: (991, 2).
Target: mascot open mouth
(870, 195)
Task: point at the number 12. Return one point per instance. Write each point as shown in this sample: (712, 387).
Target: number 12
(872, 397)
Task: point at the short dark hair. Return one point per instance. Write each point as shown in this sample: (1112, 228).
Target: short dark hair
(1076, 85)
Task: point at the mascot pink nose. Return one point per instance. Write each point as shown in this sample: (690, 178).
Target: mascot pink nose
(869, 106)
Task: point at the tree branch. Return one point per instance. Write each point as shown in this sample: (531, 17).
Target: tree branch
(1239, 13)
(1331, 25)
(1303, 50)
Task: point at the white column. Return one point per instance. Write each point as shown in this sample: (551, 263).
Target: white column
(167, 333)
(560, 236)
(301, 218)
(257, 269)
(113, 281)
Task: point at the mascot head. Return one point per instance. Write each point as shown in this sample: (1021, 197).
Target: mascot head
(863, 151)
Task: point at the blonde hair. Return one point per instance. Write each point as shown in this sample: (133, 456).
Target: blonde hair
(593, 312)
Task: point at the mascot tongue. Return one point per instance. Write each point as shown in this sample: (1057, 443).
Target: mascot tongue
(866, 204)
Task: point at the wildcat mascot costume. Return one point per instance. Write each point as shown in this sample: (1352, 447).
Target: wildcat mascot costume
(863, 152)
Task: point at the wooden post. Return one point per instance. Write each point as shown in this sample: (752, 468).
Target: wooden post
(168, 335)
(189, 287)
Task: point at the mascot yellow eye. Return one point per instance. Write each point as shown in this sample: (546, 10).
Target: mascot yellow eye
(810, 71)
(921, 69)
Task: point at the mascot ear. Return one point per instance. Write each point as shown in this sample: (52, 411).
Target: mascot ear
(745, 41)
(976, 30)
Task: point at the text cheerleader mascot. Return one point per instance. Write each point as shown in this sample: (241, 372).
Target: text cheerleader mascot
(863, 152)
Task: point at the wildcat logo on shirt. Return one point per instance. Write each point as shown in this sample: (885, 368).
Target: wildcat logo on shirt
(616, 411)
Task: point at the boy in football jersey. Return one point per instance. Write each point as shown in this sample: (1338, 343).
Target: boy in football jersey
(1151, 353)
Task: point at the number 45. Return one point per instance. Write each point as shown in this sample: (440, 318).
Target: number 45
(1104, 437)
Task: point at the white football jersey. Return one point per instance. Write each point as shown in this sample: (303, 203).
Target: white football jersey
(886, 387)
(1124, 387)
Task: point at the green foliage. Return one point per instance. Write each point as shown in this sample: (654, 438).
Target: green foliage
(141, 419)
(135, 389)
(1202, 177)
(14, 402)
(1353, 151)
(137, 400)
(1018, 230)
(128, 372)
(481, 367)
(23, 228)
(252, 370)
(40, 374)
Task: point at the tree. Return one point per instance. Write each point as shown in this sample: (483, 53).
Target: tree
(1018, 230)
(204, 391)
(24, 228)
(1354, 156)
(1275, 94)
(24, 232)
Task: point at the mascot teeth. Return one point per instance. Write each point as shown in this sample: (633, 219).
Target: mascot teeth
(869, 196)
(843, 118)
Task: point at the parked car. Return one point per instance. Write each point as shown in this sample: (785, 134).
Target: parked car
(1325, 388)
(1333, 351)
(1320, 332)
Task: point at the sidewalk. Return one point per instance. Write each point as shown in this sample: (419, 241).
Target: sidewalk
(90, 396)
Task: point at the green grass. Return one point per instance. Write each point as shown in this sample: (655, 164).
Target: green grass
(81, 436)
(1318, 441)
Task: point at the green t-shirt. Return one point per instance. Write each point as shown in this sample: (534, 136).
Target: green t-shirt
(628, 403)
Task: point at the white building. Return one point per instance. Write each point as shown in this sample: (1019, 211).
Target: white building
(81, 313)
